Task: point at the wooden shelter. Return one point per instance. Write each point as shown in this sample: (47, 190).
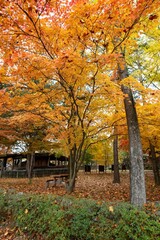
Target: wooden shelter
(44, 164)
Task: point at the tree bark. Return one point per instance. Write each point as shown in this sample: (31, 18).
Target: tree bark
(3, 166)
(72, 171)
(155, 165)
(116, 178)
(137, 177)
(77, 155)
(30, 164)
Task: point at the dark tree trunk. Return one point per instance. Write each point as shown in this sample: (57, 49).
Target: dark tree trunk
(116, 163)
(30, 164)
(137, 177)
(155, 165)
(3, 166)
(1, 172)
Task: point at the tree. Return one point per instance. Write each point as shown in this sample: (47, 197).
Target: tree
(71, 102)
(138, 193)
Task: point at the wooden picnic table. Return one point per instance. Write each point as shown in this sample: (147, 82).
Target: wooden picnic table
(54, 179)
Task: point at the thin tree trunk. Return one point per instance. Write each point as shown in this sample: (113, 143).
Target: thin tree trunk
(75, 162)
(116, 163)
(30, 163)
(72, 171)
(71, 181)
(1, 172)
(3, 166)
(137, 177)
(155, 166)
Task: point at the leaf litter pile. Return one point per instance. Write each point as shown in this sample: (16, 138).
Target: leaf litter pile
(96, 186)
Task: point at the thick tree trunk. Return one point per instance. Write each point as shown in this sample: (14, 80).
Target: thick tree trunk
(155, 165)
(116, 163)
(137, 178)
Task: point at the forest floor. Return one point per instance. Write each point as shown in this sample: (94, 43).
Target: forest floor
(98, 186)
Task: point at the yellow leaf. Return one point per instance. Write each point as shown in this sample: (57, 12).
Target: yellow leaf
(111, 209)
(26, 211)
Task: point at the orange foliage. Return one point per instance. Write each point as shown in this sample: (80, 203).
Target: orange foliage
(55, 58)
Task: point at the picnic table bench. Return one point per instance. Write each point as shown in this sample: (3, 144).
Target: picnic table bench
(57, 179)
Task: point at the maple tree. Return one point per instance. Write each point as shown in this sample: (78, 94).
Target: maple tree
(67, 68)
(73, 101)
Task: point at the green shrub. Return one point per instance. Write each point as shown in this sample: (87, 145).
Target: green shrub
(80, 216)
(38, 215)
(132, 223)
(66, 218)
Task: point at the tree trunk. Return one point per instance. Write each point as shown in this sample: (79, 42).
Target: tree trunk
(71, 185)
(1, 172)
(155, 166)
(30, 163)
(72, 171)
(116, 163)
(137, 178)
(3, 166)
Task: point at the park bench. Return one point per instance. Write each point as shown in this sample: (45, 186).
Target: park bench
(59, 179)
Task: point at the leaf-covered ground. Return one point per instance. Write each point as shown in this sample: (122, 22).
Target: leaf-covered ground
(94, 185)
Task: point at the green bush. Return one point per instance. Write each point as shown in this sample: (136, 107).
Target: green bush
(132, 223)
(38, 215)
(66, 218)
(80, 216)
